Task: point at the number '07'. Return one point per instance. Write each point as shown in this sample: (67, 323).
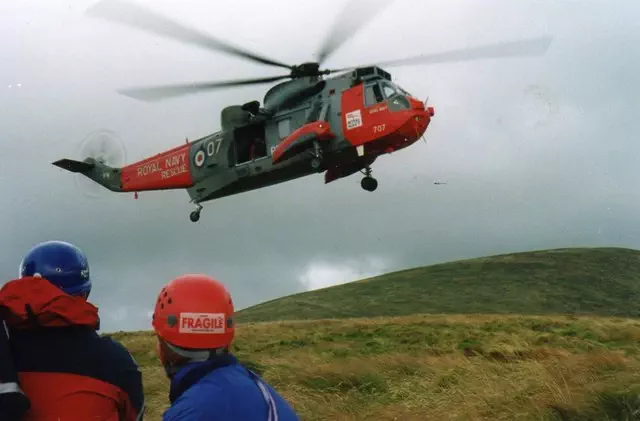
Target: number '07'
(378, 128)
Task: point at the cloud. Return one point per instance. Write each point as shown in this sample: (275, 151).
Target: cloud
(322, 274)
(537, 153)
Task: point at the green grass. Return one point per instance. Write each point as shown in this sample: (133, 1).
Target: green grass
(448, 367)
(369, 350)
(599, 281)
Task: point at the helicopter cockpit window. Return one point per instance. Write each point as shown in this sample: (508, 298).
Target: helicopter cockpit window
(397, 99)
(389, 90)
(373, 95)
(403, 92)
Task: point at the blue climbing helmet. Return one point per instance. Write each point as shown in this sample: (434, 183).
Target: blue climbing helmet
(61, 263)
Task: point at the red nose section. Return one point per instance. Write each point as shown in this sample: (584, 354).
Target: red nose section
(416, 104)
(420, 106)
(416, 124)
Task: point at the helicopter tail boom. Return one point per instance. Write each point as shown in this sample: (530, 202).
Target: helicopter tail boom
(167, 170)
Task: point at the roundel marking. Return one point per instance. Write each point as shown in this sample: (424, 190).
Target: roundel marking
(199, 158)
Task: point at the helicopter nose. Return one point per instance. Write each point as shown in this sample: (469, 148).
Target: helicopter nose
(415, 123)
(416, 104)
(420, 121)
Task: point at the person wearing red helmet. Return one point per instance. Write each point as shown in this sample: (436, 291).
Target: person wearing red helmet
(194, 326)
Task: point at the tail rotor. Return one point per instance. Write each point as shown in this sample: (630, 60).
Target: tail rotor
(105, 147)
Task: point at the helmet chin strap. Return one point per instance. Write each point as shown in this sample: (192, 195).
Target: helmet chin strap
(192, 356)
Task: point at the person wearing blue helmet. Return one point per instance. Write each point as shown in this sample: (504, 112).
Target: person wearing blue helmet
(60, 364)
(62, 264)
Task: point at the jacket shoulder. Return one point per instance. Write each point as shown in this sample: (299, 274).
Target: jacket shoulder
(226, 394)
(200, 402)
(117, 353)
(126, 374)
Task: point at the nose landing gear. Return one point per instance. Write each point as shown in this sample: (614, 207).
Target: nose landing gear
(369, 183)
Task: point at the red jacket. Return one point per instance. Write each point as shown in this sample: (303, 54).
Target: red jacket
(67, 370)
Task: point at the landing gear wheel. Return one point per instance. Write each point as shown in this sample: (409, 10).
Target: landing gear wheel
(369, 183)
(316, 156)
(316, 163)
(195, 215)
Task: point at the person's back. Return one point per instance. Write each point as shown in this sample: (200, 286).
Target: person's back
(67, 371)
(221, 390)
(194, 326)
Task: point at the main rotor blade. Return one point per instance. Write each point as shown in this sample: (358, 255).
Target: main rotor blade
(126, 13)
(524, 48)
(355, 15)
(156, 93)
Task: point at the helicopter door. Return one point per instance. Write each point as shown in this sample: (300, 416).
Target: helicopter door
(249, 149)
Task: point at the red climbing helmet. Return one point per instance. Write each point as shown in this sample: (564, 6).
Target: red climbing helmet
(194, 312)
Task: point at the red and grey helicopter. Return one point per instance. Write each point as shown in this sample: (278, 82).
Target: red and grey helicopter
(308, 124)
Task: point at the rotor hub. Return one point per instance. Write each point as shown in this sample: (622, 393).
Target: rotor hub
(307, 70)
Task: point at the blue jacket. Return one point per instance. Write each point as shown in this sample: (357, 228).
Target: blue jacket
(224, 391)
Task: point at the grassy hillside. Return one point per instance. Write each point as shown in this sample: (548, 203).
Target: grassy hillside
(498, 367)
(600, 281)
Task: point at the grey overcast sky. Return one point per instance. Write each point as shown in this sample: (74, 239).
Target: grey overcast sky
(537, 153)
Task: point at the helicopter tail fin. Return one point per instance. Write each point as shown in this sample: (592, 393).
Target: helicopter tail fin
(104, 175)
(74, 166)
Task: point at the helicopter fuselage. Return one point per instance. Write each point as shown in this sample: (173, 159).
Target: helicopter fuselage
(307, 125)
(365, 115)
(338, 126)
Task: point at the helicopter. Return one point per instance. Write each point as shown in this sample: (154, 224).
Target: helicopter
(309, 124)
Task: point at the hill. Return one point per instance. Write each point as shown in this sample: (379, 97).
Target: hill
(598, 281)
(388, 362)
(428, 367)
